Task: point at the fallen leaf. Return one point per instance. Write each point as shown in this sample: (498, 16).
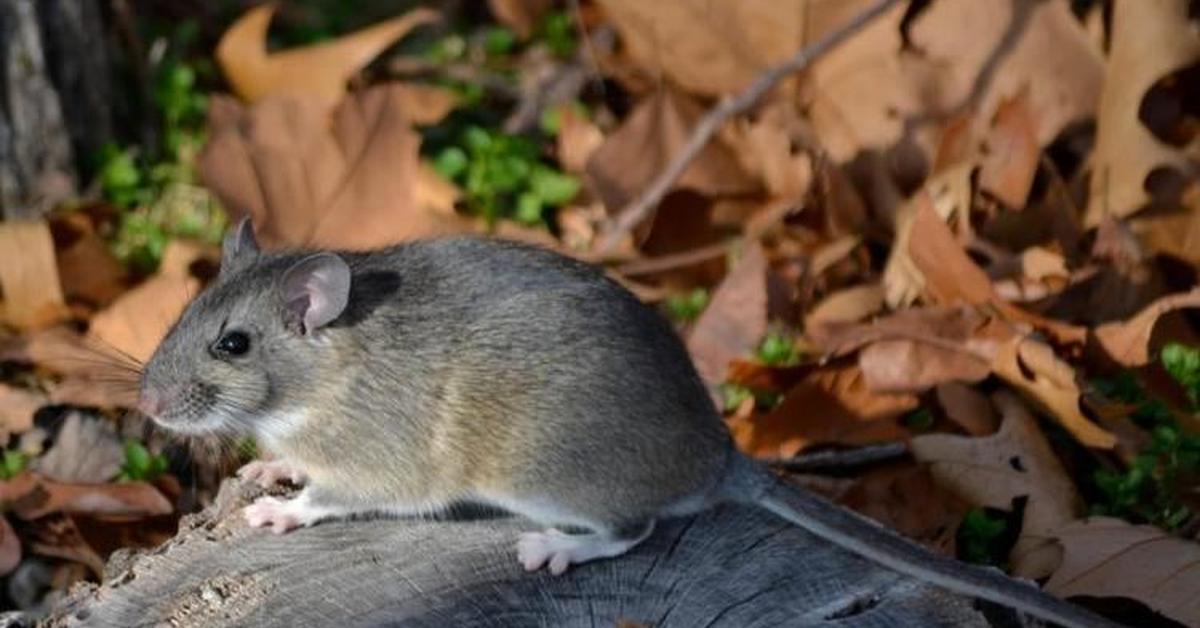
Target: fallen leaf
(1128, 342)
(910, 501)
(520, 15)
(1127, 153)
(578, 139)
(60, 537)
(319, 71)
(831, 405)
(825, 257)
(17, 407)
(87, 268)
(352, 182)
(911, 366)
(1105, 557)
(87, 449)
(948, 327)
(769, 149)
(1039, 264)
(874, 90)
(1033, 369)
(735, 319)
(967, 407)
(994, 470)
(29, 281)
(10, 548)
(947, 194)
(709, 48)
(1011, 152)
(848, 305)
(31, 496)
(134, 324)
(648, 139)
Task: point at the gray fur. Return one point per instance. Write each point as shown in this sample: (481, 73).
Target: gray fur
(474, 369)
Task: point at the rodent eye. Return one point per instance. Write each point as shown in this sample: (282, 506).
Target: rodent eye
(232, 343)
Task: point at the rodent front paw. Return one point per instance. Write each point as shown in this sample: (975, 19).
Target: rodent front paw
(267, 474)
(272, 512)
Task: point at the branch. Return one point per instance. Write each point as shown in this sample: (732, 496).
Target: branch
(841, 461)
(636, 211)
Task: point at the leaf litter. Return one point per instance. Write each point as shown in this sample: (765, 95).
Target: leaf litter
(968, 230)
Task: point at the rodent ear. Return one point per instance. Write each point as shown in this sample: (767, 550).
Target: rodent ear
(238, 244)
(316, 290)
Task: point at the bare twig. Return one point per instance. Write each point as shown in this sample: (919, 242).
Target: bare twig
(674, 260)
(637, 210)
(827, 461)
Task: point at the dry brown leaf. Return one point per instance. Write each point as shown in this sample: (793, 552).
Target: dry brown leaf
(950, 276)
(768, 148)
(87, 449)
(135, 323)
(709, 47)
(967, 407)
(830, 405)
(1127, 152)
(647, 141)
(847, 306)
(1032, 368)
(1105, 557)
(910, 366)
(1038, 263)
(87, 268)
(10, 548)
(994, 470)
(29, 285)
(959, 327)
(1011, 152)
(1128, 342)
(520, 15)
(351, 182)
(909, 501)
(318, 72)
(58, 349)
(829, 254)
(578, 139)
(734, 321)
(946, 194)
(871, 91)
(31, 496)
(17, 407)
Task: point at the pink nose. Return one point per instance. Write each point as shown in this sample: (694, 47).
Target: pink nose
(150, 403)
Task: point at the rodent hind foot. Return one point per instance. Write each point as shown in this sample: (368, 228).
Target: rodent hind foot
(268, 473)
(557, 550)
(274, 513)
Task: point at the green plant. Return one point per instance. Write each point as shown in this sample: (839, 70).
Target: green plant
(503, 176)
(1183, 363)
(557, 31)
(920, 419)
(982, 538)
(140, 465)
(734, 395)
(1149, 488)
(687, 307)
(13, 463)
(778, 350)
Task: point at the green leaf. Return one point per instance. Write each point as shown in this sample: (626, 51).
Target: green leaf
(553, 187)
(980, 537)
(14, 463)
(498, 41)
(451, 162)
(529, 209)
(778, 350)
(920, 419)
(1183, 363)
(687, 307)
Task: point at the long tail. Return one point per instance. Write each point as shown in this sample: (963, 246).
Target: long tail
(751, 484)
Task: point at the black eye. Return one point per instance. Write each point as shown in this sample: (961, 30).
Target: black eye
(233, 343)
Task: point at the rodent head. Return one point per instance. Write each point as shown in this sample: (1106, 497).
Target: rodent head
(247, 340)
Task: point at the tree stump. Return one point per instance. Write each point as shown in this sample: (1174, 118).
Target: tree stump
(734, 566)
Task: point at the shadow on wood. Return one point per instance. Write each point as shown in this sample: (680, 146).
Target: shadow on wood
(734, 566)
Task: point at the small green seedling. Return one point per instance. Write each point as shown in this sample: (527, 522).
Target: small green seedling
(687, 307)
(982, 538)
(140, 465)
(778, 350)
(13, 463)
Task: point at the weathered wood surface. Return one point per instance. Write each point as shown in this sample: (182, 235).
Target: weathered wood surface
(734, 566)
